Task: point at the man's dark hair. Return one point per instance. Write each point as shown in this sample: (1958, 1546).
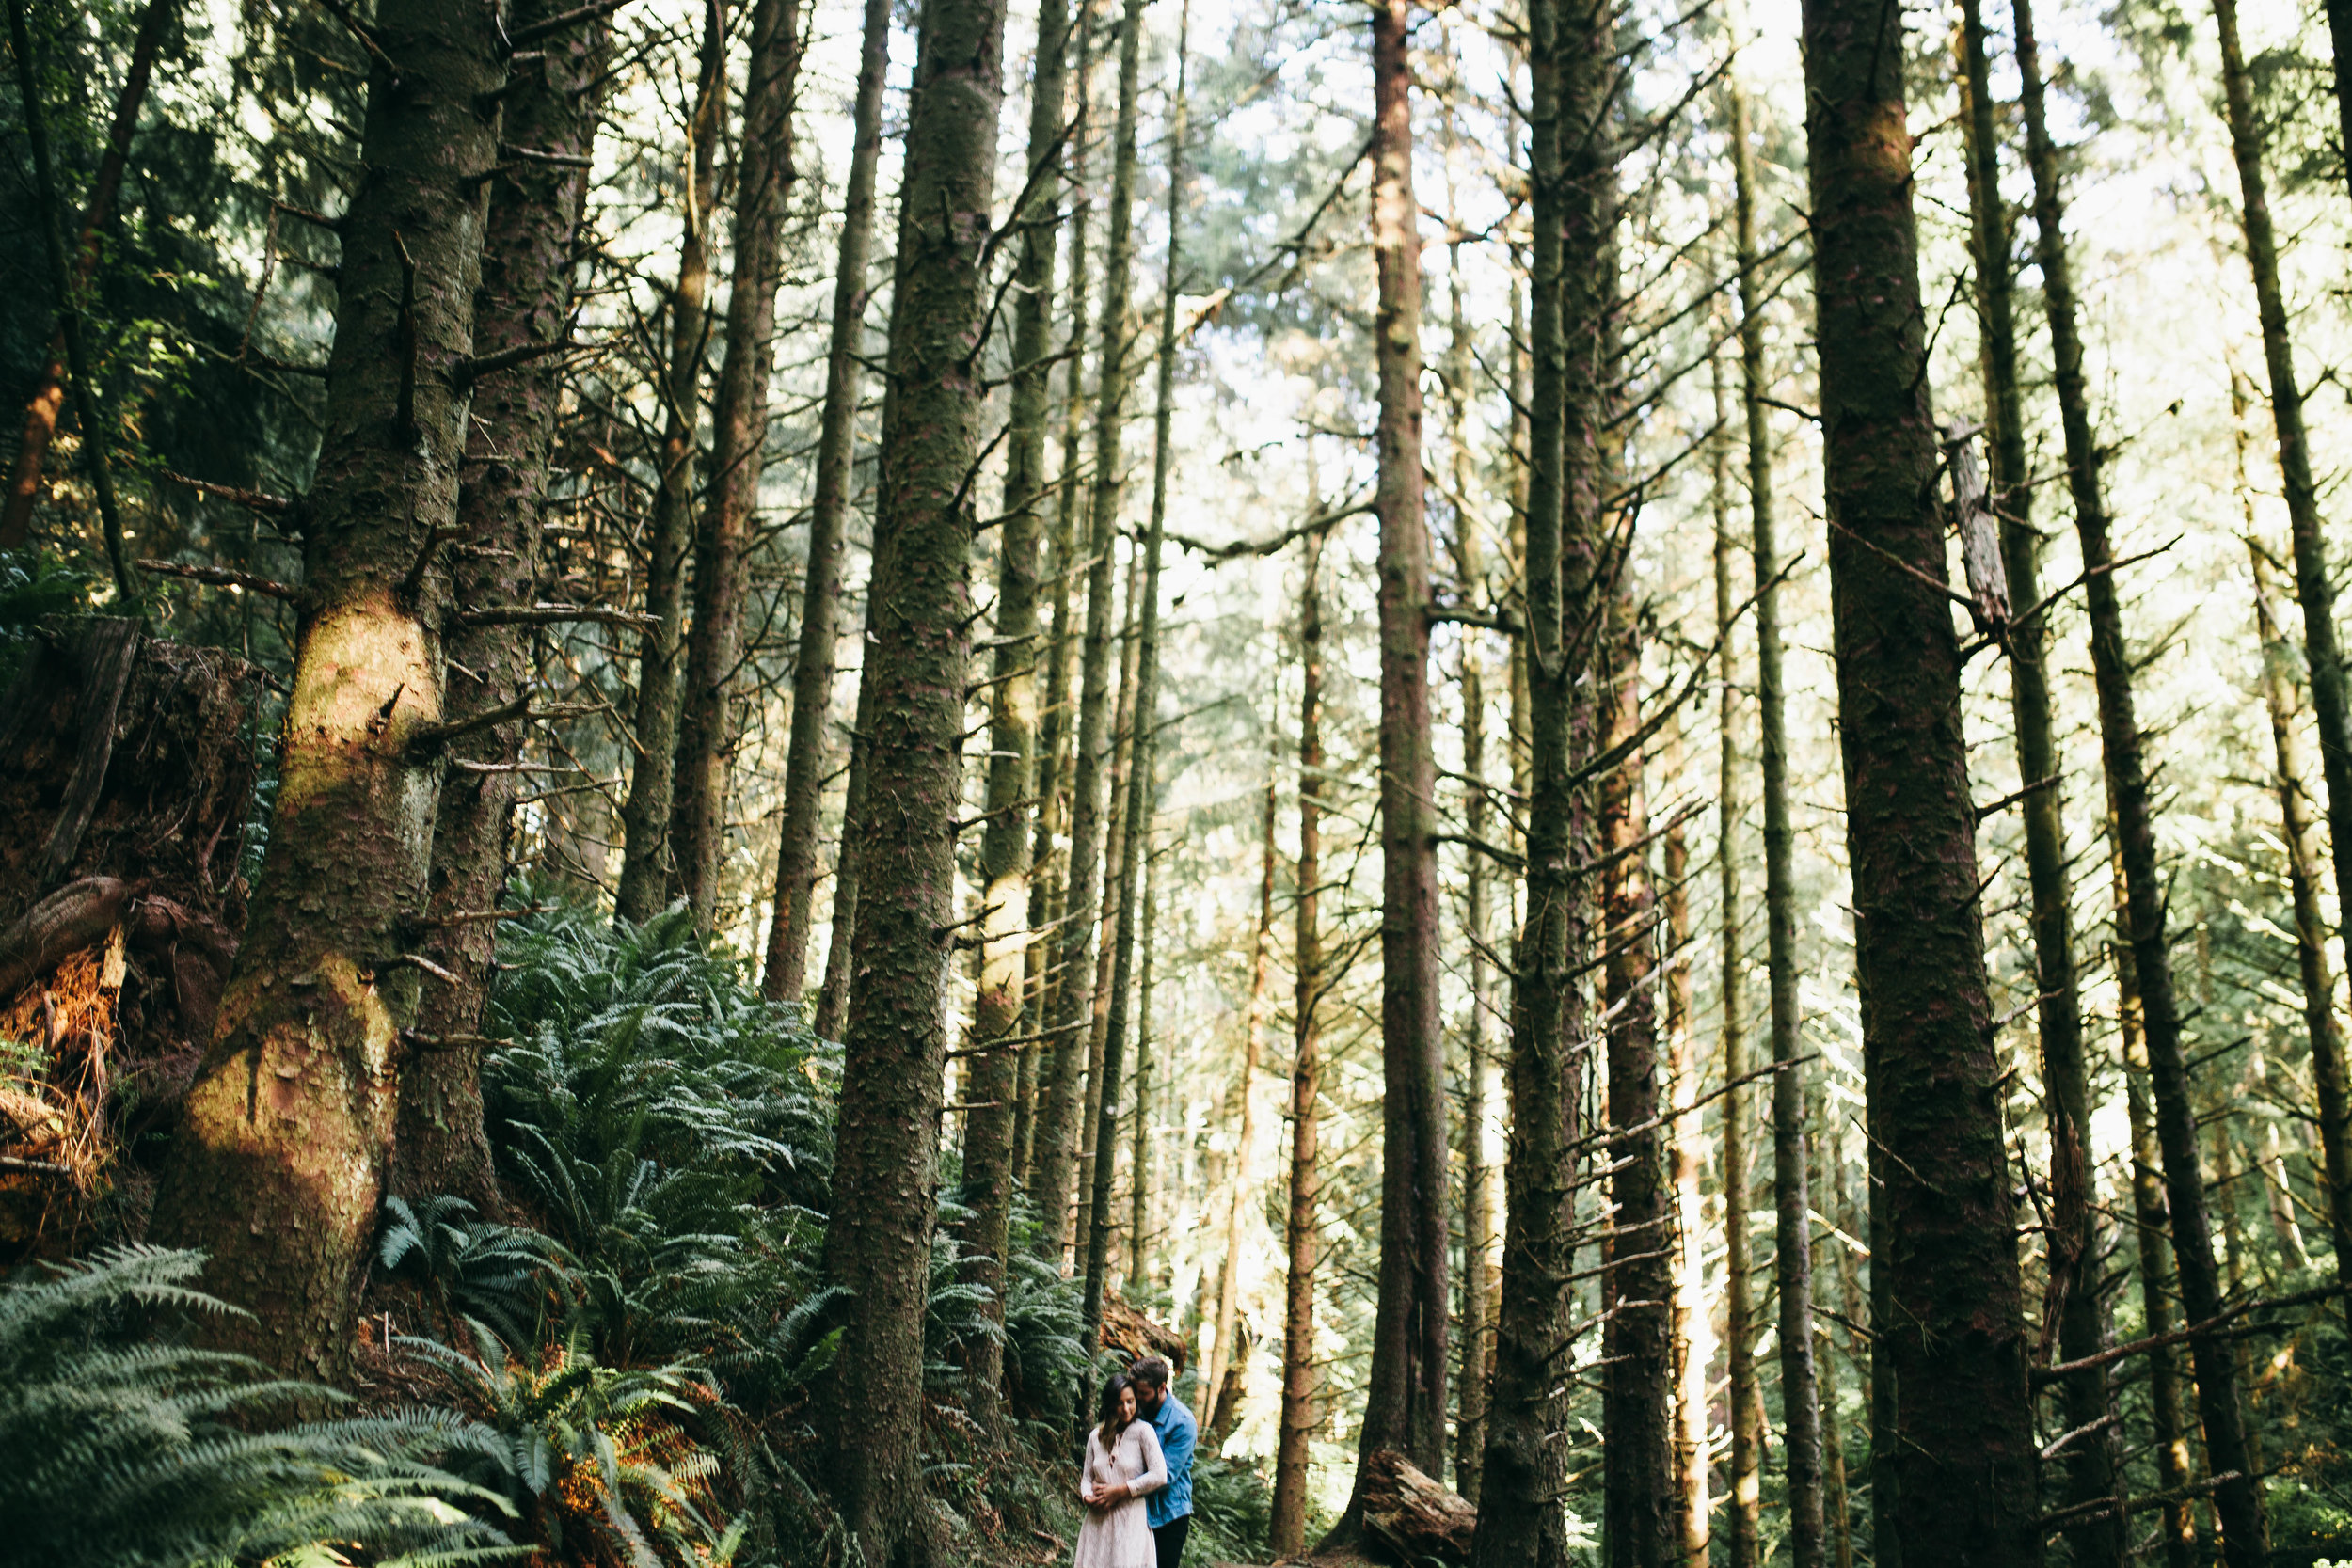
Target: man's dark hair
(1151, 1371)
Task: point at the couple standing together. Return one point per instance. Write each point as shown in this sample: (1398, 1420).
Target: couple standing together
(1138, 1480)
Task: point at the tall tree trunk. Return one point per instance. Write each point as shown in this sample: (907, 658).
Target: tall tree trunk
(1469, 1425)
(1287, 1532)
(1047, 1056)
(784, 975)
(2098, 1537)
(1142, 772)
(2311, 930)
(1800, 1410)
(1059, 1129)
(2238, 1501)
(1006, 913)
(1220, 1351)
(291, 1110)
(1638, 1401)
(1693, 1344)
(1139, 1163)
(1835, 1515)
(2152, 1225)
(1121, 761)
(1049, 865)
(525, 299)
(1743, 1399)
(833, 996)
(48, 400)
(714, 649)
(1404, 1404)
(1953, 1337)
(1520, 1524)
(917, 662)
(645, 855)
(2314, 587)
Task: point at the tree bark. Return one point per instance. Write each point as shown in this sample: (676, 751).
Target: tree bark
(291, 1110)
(1641, 1528)
(2310, 929)
(527, 271)
(1139, 1163)
(1045, 1059)
(1743, 1399)
(2098, 1540)
(1404, 1405)
(1964, 1461)
(833, 996)
(2314, 586)
(1121, 762)
(1521, 1522)
(1801, 1412)
(1253, 1050)
(1302, 1240)
(1006, 912)
(48, 399)
(2152, 1225)
(714, 649)
(1142, 770)
(1469, 1425)
(1693, 1343)
(1057, 1131)
(917, 658)
(645, 854)
(783, 977)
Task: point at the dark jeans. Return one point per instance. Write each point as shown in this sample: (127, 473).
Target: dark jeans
(1169, 1540)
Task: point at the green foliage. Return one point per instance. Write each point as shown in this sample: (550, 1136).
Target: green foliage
(33, 587)
(127, 1454)
(495, 1273)
(599, 1462)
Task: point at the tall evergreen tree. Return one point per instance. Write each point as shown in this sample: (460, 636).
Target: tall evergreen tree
(917, 655)
(494, 563)
(1404, 1404)
(292, 1109)
(1951, 1349)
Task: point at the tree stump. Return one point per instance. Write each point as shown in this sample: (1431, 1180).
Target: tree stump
(1412, 1515)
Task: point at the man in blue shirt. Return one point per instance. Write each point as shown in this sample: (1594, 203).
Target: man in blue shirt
(1168, 1510)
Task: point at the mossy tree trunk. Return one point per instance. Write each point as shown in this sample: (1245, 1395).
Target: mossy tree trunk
(526, 301)
(1951, 1336)
(1005, 915)
(291, 1113)
(917, 659)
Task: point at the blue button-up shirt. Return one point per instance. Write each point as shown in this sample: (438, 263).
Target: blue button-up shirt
(1178, 1434)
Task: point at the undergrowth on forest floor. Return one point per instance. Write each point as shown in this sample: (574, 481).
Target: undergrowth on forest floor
(629, 1368)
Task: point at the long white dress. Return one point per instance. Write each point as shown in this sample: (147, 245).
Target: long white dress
(1119, 1536)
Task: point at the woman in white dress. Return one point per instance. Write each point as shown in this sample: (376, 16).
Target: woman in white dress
(1123, 1467)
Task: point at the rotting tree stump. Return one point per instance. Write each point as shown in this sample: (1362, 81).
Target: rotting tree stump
(1412, 1515)
(127, 774)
